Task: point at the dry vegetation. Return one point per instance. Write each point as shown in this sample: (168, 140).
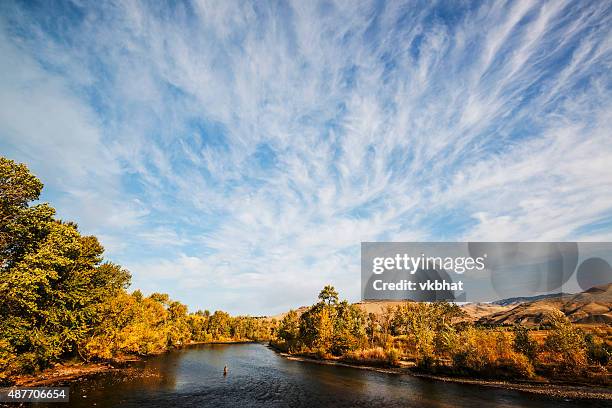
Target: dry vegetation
(441, 338)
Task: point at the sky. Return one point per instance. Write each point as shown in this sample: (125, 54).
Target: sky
(235, 154)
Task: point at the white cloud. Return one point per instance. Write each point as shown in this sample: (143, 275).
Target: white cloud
(383, 124)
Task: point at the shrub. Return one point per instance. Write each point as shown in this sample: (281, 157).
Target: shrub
(566, 344)
(524, 344)
(376, 356)
(280, 345)
(598, 351)
(490, 353)
(393, 356)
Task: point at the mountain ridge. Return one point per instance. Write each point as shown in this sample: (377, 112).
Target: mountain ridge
(593, 306)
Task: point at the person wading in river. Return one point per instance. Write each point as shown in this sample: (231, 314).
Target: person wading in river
(225, 370)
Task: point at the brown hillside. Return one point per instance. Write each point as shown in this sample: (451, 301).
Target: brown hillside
(477, 311)
(593, 306)
(378, 306)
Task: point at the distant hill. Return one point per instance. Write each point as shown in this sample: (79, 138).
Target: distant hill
(516, 300)
(378, 306)
(593, 306)
(476, 311)
(280, 316)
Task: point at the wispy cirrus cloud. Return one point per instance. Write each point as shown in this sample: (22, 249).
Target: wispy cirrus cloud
(245, 149)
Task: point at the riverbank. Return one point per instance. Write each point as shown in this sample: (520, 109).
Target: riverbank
(550, 389)
(68, 371)
(193, 343)
(63, 372)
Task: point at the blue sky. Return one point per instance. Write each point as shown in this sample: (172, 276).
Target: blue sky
(235, 154)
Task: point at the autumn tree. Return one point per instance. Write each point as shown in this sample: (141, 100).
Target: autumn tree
(219, 325)
(323, 343)
(566, 342)
(349, 328)
(289, 329)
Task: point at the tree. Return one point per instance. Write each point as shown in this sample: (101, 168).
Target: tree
(489, 353)
(18, 187)
(372, 327)
(430, 327)
(567, 342)
(524, 344)
(598, 351)
(289, 329)
(114, 318)
(349, 328)
(329, 295)
(386, 326)
(325, 331)
(219, 325)
(309, 328)
(52, 279)
(179, 332)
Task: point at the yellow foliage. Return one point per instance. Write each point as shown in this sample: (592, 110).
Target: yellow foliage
(373, 356)
(490, 353)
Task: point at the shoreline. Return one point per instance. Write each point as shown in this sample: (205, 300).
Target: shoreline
(68, 371)
(554, 390)
(65, 372)
(194, 343)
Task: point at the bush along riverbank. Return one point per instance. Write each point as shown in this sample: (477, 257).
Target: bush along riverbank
(553, 389)
(434, 339)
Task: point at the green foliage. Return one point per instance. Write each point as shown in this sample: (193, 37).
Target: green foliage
(429, 326)
(328, 295)
(524, 344)
(598, 351)
(327, 327)
(567, 343)
(52, 278)
(289, 330)
(349, 331)
(18, 187)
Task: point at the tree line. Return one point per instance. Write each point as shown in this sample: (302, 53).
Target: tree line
(60, 299)
(437, 337)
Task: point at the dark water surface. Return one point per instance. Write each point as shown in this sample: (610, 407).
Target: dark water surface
(258, 377)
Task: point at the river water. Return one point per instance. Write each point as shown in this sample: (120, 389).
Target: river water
(259, 377)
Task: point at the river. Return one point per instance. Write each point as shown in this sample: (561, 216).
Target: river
(259, 377)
